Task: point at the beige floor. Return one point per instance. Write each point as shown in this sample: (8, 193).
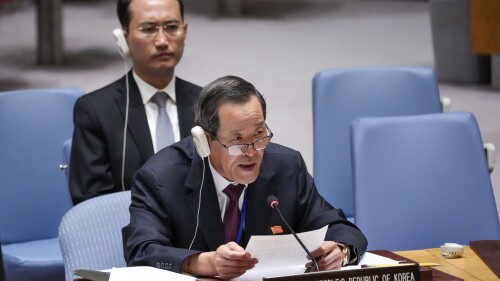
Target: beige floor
(277, 44)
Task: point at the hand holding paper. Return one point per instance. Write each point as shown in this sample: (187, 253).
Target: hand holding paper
(232, 261)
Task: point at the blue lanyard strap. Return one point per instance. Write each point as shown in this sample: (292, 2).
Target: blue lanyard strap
(242, 217)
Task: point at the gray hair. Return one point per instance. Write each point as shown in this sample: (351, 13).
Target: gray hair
(227, 89)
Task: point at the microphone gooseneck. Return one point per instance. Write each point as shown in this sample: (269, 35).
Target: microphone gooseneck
(273, 202)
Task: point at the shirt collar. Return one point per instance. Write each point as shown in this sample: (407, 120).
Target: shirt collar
(147, 91)
(220, 182)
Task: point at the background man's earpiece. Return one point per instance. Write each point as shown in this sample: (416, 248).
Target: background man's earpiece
(121, 42)
(200, 141)
(122, 45)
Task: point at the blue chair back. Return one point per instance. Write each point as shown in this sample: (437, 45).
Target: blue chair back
(33, 192)
(422, 181)
(341, 95)
(90, 233)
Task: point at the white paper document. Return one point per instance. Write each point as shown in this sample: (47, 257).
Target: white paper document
(146, 273)
(281, 254)
(274, 251)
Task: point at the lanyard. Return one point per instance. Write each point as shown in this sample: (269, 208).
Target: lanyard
(242, 217)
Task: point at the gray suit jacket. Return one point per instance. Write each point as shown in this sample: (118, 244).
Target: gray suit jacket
(96, 154)
(165, 196)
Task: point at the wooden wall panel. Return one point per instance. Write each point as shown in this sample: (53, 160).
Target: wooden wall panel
(485, 26)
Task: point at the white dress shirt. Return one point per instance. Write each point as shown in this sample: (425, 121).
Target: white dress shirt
(220, 184)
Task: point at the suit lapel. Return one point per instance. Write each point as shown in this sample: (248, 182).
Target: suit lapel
(210, 227)
(137, 120)
(258, 213)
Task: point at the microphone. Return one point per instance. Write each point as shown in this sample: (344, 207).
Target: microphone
(273, 202)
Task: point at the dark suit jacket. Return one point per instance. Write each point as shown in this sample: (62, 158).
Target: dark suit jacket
(96, 154)
(165, 201)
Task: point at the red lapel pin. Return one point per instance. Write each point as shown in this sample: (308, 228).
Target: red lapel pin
(276, 229)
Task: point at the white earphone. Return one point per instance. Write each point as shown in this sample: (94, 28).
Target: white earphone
(203, 150)
(121, 42)
(122, 45)
(200, 141)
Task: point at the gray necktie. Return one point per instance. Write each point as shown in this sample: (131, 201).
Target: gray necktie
(164, 130)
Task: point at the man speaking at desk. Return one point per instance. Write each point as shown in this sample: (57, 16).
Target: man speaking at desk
(196, 214)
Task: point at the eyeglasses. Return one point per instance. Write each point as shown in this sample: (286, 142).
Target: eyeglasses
(239, 149)
(171, 29)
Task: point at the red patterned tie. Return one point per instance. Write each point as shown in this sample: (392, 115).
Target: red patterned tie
(232, 215)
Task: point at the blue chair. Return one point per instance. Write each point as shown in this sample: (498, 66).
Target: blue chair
(341, 95)
(33, 193)
(422, 181)
(90, 233)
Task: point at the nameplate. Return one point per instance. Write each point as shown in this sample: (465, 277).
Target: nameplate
(392, 273)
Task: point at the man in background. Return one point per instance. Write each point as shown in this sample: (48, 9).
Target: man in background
(160, 109)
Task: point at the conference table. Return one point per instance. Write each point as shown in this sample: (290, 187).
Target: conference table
(468, 267)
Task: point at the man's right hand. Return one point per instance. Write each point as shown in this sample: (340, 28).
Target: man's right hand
(232, 261)
(228, 262)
